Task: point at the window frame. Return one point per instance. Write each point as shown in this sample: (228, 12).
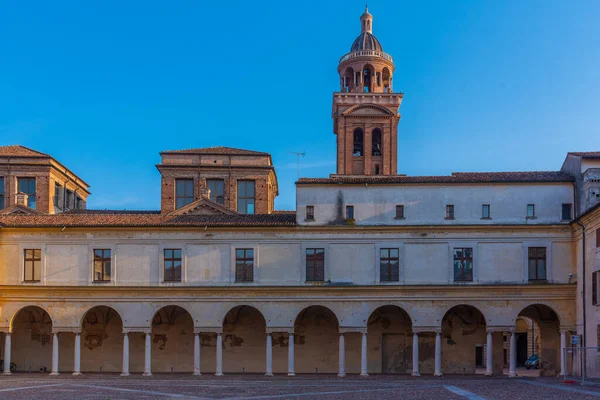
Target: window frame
(58, 189)
(349, 212)
(450, 211)
(185, 194)
(309, 213)
(313, 258)
(33, 259)
(244, 259)
(400, 211)
(532, 216)
(172, 259)
(103, 259)
(245, 198)
(562, 211)
(2, 198)
(489, 211)
(537, 259)
(388, 259)
(595, 288)
(213, 196)
(30, 196)
(462, 260)
(598, 239)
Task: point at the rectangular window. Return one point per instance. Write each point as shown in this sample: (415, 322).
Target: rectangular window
(400, 211)
(69, 201)
(463, 264)
(102, 265)
(217, 190)
(598, 238)
(244, 265)
(172, 265)
(349, 212)
(245, 197)
(184, 192)
(566, 212)
(537, 263)
(57, 192)
(310, 213)
(530, 210)
(33, 265)
(450, 211)
(27, 185)
(389, 265)
(485, 211)
(78, 203)
(595, 288)
(1, 192)
(315, 265)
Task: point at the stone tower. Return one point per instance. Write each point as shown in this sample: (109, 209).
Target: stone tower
(365, 110)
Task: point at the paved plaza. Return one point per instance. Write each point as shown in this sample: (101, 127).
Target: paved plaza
(105, 387)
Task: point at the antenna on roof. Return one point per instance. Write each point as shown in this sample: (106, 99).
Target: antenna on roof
(298, 155)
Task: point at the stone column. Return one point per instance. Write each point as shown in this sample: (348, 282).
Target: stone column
(77, 355)
(197, 354)
(219, 354)
(489, 365)
(148, 357)
(512, 371)
(563, 358)
(125, 354)
(342, 359)
(363, 355)
(269, 369)
(291, 354)
(7, 348)
(54, 354)
(438, 354)
(415, 352)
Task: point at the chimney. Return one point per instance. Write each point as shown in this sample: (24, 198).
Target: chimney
(21, 198)
(205, 193)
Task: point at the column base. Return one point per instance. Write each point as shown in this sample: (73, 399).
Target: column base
(125, 373)
(437, 374)
(197, 373)
(76, 374)
(291, 374)
(219, 374)
(489, 374)
(512, 374)
(147, 374)
(341, 375)
(415, 374)
(54, 374)
(7, 373)
(364, 374)
(269, 374)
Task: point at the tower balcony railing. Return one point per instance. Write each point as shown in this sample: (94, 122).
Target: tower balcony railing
(367, 53)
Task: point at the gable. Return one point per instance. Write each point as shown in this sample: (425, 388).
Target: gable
(203, 207)
(370, 110)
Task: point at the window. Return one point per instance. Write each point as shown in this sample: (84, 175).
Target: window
(537, 263)
(595, 288)
(245, 193)
(184, 192)
(310, 213)
(244, 265)
(1, 192)
(376, 143)
(485, 211)
(27, 185)
(349, 212)
(315, 265)
(102, 267)
(566, 212)
(530, 210)
(598, 238)
(449, 211)
(78, 203)
(357, 150)
(463, 264)
(217, 190)
(389, 265)
(400, 211)
(172, 265)
(57, 195)
(69, 197)
(33, 265)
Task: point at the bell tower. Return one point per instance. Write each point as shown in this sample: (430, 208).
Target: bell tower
(365, 110)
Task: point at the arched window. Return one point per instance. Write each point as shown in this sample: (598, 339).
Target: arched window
(348, 80)
(386, 80)
(357, 150)
(376, 142)
(368, 72)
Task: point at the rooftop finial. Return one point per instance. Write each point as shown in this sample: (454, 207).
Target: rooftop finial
(366, 20)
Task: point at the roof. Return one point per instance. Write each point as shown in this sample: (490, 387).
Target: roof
(20, 151)
(366, 41)
(585, 154)
(456, 177)
(219, 150)
(119, 219)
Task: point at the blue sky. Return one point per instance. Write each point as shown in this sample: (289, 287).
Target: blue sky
(104, 86)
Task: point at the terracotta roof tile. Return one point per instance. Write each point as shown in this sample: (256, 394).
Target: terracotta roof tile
(456, 177)
(586, 154)
(20, 151)
(217, 150)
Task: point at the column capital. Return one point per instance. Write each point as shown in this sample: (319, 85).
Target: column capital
(279, 329)
(62, 329)
(568, 328)
(212, 329)
(492, 329)
(137, 330)
(425, 329)
(350, 329)
(6, 330)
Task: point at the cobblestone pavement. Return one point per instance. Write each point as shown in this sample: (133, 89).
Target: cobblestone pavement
(383, 387)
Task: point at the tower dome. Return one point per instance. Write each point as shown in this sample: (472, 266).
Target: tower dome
(366, 40)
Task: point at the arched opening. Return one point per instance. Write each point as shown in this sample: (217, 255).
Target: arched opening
(172, 342)
(316, 341)
(464, 339)
(31, 340)
(389, 341)
(368, 77)
(386, 80)
(244, 341)
(376, 142)
(101, 340)
(357, 149)
(348, 80)
(541, 325)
